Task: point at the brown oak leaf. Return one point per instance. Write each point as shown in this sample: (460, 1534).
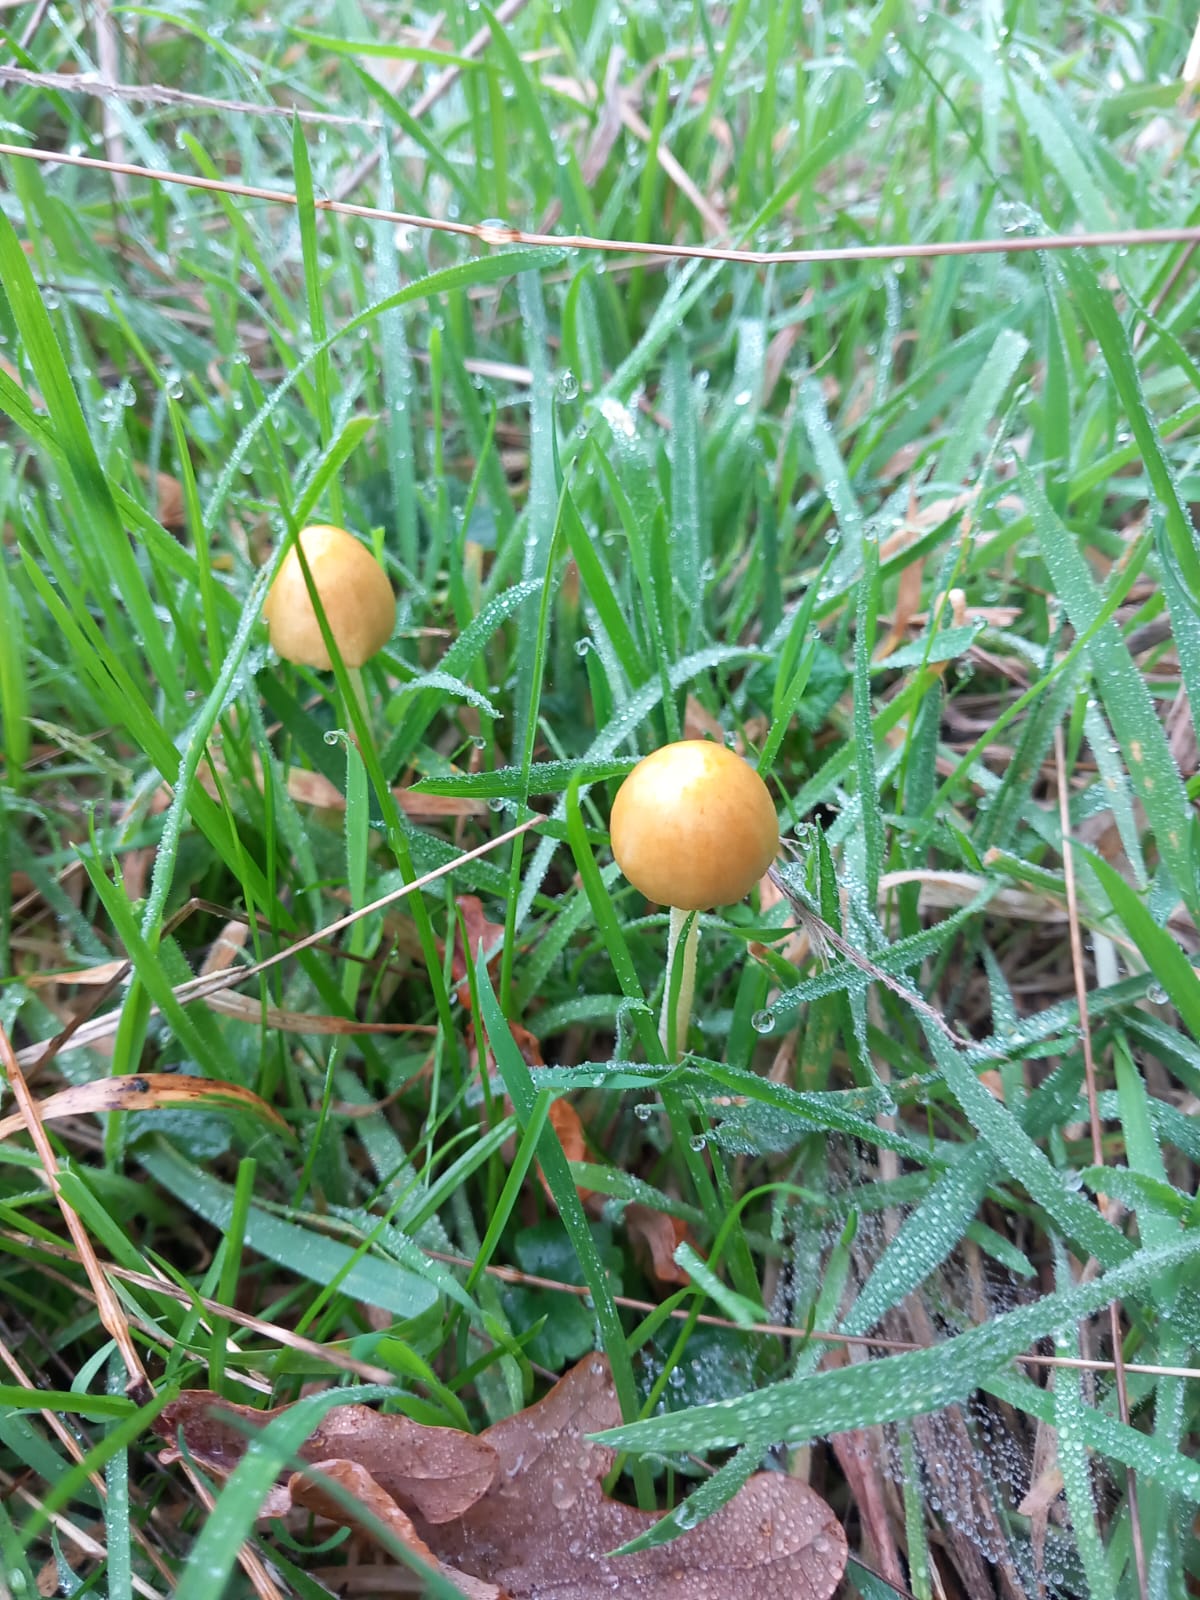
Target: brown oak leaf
(542, 1531)
(438, 1472)
(317, 1497)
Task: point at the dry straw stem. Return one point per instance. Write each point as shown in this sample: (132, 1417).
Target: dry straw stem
(203, 987)
(82, 1540)
(74, 1449)
(107, 1304)
(371, 1374)
(782, 1331)
(330, 1355)
(1089, 1069)
(1117, 238)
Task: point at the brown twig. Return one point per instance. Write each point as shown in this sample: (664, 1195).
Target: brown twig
(1093, 1103)
(485, 233)
(161, 94)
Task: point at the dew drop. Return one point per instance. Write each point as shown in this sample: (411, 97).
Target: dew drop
(762, 1021)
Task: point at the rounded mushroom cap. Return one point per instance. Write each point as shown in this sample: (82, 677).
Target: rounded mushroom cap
(356, 597)
(693, 826)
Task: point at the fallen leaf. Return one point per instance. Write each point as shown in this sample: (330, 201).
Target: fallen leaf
(479, 932)
(564, 1118)
(148, 1091)
(170, 497)
(658, 1236)
(518, 1513)
(701, 724)
(358, 1482)
(908, 598)
(226, 947)
(437, 1472)
(543, 1530)
(565, 1121)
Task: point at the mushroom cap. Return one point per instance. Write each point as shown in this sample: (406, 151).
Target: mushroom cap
(356, 597)
(693, 826)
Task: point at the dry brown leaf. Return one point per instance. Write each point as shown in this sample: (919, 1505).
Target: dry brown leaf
(437, 1472)
(226, 947)
(170, 497)
(543, 1529)
(657, 1236)
(359, 1483)
(519, 1513)
(564, 1119)
(147, 1091)
(699, 723)
(908, 598)
(479, 932)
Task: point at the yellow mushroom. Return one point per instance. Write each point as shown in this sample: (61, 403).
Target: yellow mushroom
(355, 594)
(692, 827)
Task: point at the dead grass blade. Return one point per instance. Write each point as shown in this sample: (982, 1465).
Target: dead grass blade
(485, 233)
(1093, 1102)
(146, 1092)
(107, 1304)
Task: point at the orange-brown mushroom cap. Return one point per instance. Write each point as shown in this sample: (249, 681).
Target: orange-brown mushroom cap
(693, 826)
(356, 597)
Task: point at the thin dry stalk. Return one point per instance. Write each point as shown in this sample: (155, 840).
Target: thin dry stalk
(1093, 1102)
(485, 233)
(108, 60)
(371, 1374)
(75, 1451)
(330, 1355)
(202, 988)
(66, 1529)
(107, 1304)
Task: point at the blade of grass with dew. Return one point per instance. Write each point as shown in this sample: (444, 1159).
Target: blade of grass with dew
(896, 1387)
(106, 550)
(398, 385)
(1151, 766)
(521, 1092)
(307, 1254)
(980, 405)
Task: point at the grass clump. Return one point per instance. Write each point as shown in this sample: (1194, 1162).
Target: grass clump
(914, 534)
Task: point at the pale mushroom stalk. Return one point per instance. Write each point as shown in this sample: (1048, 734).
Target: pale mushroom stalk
(687, 981)
(692, 827)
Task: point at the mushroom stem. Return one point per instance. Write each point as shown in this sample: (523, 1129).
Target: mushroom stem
(687, 983)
